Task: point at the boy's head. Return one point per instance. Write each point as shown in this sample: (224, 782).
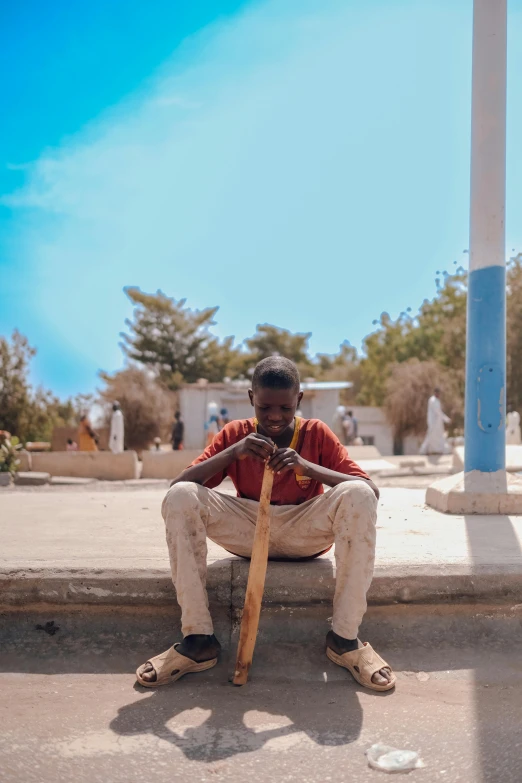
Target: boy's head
(275, 394)
(177, 415)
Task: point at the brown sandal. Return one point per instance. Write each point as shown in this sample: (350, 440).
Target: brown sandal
(170, 666)
(362, 665)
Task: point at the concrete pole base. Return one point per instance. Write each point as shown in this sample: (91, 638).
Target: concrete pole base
(477, 493)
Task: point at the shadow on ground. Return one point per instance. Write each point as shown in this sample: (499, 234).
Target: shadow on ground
(226, 730)
(295, 694)
(492, 741)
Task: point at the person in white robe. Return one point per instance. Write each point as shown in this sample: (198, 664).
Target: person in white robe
(337, 423)
(117, 435)
(435, 440)
(513, 437)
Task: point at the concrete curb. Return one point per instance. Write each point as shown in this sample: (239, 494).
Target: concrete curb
(287, 584)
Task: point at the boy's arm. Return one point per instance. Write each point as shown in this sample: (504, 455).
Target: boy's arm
(254, 445)
(288, 459)
(204, 471)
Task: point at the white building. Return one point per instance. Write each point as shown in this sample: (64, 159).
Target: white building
(374, 429)
(320, 401)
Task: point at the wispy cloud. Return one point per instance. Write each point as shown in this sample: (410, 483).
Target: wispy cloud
(178, 100)
(17, 166)
(266, 151)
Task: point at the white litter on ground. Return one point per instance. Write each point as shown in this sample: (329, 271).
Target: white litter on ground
(389, 759)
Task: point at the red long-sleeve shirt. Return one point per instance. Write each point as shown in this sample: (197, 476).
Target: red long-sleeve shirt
(314, 441)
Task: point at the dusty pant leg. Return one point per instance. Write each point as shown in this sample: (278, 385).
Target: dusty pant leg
(346, 515)
(192, 513)
(185, 526)
(353, 513)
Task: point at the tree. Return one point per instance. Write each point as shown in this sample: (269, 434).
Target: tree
(30, 415)
(437, 332)
(46, 411)
(342, 366)
(15, 398)
(385, 347)
(408, 389)
(147, 407)
(272, 340)
(175, 341)
(514, 333)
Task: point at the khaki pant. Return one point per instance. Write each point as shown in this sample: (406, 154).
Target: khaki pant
(345, 515)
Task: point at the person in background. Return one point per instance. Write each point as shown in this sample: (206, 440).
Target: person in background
(178, 432)
(223, 418)
(156, 445)
(337, 424)
(212, 422)
(513, 437)
(435, 440)
(116, 438)
(212, 429)
(71, 445)
(86, 435)
(348, 429)
(355, 424)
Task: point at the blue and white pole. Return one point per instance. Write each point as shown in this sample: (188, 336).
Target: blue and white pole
(485, 446)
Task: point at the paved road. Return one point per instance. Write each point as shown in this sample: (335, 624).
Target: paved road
(70, 710)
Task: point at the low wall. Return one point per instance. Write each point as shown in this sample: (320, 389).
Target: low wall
(363, 452)
(101, 465)
(61, 434)
(513, 459)
(166, 464)
(26, 462)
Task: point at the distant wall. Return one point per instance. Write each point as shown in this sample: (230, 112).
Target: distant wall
(363, 452)
(193, 405)
(101, 465)
(61, 435)
(320, 404)
(194, 400)
(372, 423)
(166, 464)
(25, 461)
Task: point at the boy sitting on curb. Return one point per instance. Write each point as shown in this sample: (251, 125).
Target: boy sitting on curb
(304, 454)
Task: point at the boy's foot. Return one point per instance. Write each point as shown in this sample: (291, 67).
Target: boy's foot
(197, 647)
(339, 645)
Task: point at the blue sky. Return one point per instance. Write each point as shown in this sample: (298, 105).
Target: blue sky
(297, 162)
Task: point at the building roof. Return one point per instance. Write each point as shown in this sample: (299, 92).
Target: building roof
(305, 386)
(325, 385)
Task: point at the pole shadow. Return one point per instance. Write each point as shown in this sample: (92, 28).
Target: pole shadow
(494, 545)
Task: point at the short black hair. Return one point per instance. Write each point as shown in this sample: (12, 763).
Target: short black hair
(276, 372)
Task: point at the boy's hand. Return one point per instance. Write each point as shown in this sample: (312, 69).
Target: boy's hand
(255, 445)
(287, 459)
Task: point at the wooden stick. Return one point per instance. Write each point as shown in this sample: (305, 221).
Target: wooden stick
(255, 584)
